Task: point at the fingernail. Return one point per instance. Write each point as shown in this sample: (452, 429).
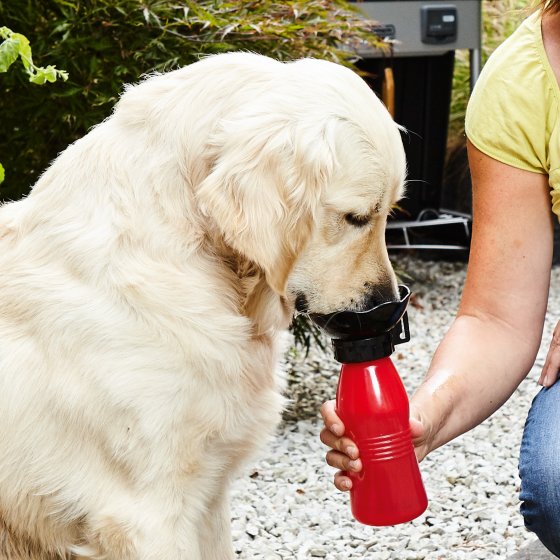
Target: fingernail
(353, 465)
(336, 429)
(346, 484)
(352, 452)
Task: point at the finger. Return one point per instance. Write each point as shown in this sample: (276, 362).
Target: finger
(343, 462)
(542, 377)
(549, 373)
(344, 445)
(331, 419)
(342, 482)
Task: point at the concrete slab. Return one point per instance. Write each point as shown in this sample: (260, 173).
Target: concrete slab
(533, 551)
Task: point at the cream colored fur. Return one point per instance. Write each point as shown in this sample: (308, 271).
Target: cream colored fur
(143, 286)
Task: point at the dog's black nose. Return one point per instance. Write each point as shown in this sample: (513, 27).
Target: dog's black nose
(379, 293)
(301, 303)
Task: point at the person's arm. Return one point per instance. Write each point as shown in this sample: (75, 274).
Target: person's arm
(493, 341)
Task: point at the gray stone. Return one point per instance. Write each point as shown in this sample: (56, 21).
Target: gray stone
(318, 553)
(534, 551)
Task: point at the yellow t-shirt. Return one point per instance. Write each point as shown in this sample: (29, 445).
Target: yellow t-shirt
(512, 114)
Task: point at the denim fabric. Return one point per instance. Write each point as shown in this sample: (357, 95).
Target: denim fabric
(539, 468)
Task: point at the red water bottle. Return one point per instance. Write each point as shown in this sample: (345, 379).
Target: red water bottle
(373, 404)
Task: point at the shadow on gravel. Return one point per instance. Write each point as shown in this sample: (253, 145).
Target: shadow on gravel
(533, 551)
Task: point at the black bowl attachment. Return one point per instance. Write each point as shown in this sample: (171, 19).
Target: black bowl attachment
(362, 336)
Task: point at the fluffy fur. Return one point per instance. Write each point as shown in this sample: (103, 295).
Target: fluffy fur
(145, 281)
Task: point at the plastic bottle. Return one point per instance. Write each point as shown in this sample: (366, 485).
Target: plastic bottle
(372, 402)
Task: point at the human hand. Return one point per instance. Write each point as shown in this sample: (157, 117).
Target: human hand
(344, 454)
(549, 373)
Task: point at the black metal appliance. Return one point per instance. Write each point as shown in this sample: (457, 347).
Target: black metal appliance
(414, 77)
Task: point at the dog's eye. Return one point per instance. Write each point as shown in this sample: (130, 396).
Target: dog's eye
(356, 220)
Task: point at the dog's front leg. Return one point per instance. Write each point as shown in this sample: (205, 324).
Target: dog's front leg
(215, 534)
(142, 538)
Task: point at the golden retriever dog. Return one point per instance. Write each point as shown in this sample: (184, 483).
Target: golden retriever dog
(144, 284)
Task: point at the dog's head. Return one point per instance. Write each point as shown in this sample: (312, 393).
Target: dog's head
(303, 171)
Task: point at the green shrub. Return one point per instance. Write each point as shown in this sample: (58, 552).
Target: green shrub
(103, 44)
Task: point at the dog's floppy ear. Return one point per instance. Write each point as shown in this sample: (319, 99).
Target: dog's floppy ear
(265, 182)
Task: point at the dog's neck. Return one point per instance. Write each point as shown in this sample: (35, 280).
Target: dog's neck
(268, 311)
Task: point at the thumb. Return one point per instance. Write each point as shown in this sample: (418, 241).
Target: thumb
(419, 434)
(416, 428)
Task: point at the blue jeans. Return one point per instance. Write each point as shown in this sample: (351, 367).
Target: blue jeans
(539, 468)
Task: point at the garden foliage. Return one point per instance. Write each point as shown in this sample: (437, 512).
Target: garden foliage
(103, 44)
(16, 46)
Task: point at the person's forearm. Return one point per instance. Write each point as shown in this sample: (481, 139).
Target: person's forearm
(475, 370)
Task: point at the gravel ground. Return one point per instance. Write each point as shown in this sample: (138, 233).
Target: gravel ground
(285, 505)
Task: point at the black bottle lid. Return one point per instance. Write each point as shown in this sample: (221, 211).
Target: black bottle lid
(347, 351)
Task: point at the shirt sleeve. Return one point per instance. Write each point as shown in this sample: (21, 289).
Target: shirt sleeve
(506, 115)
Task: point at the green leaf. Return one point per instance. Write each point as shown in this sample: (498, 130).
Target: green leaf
(50, 74)
(2, 174)
(38, 78)
(9, 51)
(24, 49)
